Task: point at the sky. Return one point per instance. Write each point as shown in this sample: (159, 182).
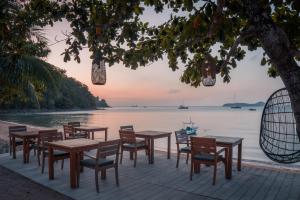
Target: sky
(158, 85)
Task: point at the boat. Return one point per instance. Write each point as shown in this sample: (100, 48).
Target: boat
(190, 127)
(235, 107)
(183, 107)
(252, 109)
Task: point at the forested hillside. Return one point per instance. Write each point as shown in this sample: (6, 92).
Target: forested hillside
(40, 85)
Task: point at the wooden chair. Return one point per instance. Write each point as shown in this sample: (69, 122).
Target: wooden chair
(74, 124)
(129, 143)
(130, 128)
(69, 133)
(127, 127)
(18, 142)
(46, 136)
(204, 151)
(182, 139)
(101, 162)
(77, 134)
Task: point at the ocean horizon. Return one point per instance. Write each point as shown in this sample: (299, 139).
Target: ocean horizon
(211, 120)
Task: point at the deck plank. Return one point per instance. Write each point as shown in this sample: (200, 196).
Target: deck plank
(164, 181)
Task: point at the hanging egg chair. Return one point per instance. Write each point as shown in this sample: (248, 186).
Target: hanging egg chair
(278, 136)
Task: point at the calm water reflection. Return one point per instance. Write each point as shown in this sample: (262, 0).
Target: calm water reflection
(211, 120)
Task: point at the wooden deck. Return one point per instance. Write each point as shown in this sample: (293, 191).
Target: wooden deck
(163, 181)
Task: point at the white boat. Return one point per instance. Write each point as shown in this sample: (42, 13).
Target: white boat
(190, 127)
(183, 107)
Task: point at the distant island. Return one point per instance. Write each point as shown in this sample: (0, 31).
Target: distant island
(258, 104)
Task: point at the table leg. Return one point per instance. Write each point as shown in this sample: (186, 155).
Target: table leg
(81, 158)
(93, 135)
(105, 134)
(24, 150)
(14, 146)
(131, 155)
(239, 160)
(73, 171)
(27, 150)
(169, 147)
(196, 168)
(226, 160)
(149, 150)
(152, 151)
(103, 174)
(50, 163)
(229, 174)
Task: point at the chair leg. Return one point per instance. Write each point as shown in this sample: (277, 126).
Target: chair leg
(148, 149)
(187, 158)
(178, 157)
(215, 174)
(10, 146)
(28, 156)
(121, 156)
(135, 158)
(43, 164)
(62, 164)
(117, 176)
(192, 168)
(38, 157)
(96, 180)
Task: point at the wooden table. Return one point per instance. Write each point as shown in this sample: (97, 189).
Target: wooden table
(230, 142)
(150, 136)
(91, 130)
(75, 147)
(26, 136)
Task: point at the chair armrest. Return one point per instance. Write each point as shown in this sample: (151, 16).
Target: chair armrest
(90, 156)
(220, 150)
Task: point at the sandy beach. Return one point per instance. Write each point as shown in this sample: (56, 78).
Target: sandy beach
(4, 140)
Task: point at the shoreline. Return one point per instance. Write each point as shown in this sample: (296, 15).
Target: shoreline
(254, 163)
(20, 111)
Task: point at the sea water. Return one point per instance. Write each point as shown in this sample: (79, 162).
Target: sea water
(211, 120)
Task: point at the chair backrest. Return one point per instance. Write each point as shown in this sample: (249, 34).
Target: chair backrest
(74, 124)
(181, 137)
(202, 145)
(127, 127)
(13, 129)
(68, 131)
(49, 136)
(109, 148)
(127, 136)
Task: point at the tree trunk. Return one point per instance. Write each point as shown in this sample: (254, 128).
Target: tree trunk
(276, 44)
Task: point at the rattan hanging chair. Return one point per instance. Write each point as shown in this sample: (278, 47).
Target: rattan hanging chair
(278, 136)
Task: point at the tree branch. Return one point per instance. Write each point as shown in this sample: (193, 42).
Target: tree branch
(296, 53)
(216, 18)
(244, 35)
(68, 36)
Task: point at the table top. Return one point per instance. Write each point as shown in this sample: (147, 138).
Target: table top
(90, 128)
(24, 134)
(75, 143)
(152, 134)
(226, 140)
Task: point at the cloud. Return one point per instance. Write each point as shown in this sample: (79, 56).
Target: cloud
(173, 91)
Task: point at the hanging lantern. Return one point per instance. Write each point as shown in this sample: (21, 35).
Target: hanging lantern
(208, 70)
(98, 71)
